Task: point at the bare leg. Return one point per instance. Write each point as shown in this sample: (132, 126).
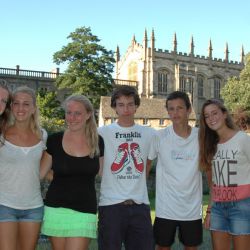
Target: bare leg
(77, 243)
(221, 240)
(28, 233)
(8, 235)
(58, 243)
(241, 242)
(190, 248)
(70, 243)
(163, 248)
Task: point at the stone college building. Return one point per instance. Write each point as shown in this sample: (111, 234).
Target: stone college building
(157, 72)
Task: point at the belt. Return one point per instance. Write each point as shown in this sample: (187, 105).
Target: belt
(128, 202)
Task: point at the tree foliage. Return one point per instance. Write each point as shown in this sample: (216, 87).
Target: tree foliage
(236, 92)
(51, 113)
(49, 105)
(90, 65)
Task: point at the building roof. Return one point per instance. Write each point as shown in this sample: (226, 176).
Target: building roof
(154, 108)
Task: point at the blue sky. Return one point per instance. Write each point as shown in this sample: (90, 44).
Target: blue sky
(33, 30)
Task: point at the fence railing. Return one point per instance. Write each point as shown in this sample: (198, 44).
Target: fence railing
(52, 75)
(29, 73)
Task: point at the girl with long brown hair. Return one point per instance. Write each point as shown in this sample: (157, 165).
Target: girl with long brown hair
(225, 157)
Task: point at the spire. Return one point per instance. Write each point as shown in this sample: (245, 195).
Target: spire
(192, 46)
(145, 40)
(210, 49)
(175, 43)
(133, 40)
(117, 54)
(242, 54)
(226, 53)
(153, 40)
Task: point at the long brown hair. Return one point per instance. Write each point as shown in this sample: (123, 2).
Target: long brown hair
(5, 115)
(208, 138)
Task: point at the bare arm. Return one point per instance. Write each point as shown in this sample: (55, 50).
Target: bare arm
(208, 212)
(148, 167)
(45, 165)
(100, 166)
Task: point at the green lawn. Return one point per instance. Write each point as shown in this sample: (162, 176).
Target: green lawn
(44, 244)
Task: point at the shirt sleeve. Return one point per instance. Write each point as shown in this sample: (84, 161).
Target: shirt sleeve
(153, 149)
(246, 143)
(44, 135)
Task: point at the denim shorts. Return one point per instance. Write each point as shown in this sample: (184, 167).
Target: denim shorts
(231, 217)
(18, 215)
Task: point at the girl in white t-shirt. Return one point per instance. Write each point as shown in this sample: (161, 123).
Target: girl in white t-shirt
(21, 204)
(225, 156)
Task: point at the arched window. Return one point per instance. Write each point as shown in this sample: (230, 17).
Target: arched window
(217, 83)
(162, 82)
(200, 81)
(182, 84)
(186, 84)
(189, 85)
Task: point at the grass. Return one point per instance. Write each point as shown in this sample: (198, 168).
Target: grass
(206, 245)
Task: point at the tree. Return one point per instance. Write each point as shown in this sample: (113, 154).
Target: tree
(90, 66)
(236, 92)
(49, 105)
(51, 112)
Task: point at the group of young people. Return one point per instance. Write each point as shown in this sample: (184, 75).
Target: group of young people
(121, 153)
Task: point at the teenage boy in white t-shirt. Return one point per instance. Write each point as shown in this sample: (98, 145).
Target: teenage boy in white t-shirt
(178, 179)
(124, 213)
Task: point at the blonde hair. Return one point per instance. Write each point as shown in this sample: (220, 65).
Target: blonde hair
(34, 122)
(90, 126)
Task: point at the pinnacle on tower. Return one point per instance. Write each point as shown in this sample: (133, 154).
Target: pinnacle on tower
(226, 53)
(145, 40)
(117, 54)
(133, 40)
(242, 54)
(192, 46)
(210, 49)
(175, 43)
(153, 39)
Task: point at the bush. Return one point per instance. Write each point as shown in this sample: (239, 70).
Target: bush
(52, 125)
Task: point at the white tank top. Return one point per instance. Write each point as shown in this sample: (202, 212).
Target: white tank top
(19, 175)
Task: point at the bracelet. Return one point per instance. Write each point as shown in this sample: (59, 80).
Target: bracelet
(208, 212)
